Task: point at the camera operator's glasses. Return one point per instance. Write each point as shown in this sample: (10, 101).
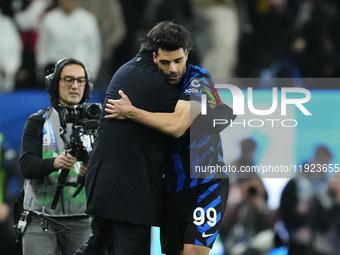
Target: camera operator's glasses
(69, 81)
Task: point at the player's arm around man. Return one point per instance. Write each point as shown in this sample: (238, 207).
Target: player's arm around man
(174, 124)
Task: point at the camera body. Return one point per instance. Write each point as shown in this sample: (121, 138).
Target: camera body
(84, 112)
(85, 117)
(88, 111)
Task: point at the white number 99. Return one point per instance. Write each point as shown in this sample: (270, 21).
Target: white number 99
(199, 216)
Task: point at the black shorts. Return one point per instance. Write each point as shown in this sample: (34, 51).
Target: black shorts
(193, 216)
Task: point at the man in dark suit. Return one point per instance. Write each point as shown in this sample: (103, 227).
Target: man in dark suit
(125, 171)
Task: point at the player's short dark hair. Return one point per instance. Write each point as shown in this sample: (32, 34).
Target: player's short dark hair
(168, 36)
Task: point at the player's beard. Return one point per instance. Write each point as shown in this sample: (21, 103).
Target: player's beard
(175, 78)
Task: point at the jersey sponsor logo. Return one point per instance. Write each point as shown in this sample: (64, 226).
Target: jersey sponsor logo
(197, 86)
(204, 235)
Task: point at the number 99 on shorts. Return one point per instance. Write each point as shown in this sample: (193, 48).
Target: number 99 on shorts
(200, 216)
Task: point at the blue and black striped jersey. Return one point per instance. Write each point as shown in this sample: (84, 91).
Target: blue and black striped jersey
(196, 156)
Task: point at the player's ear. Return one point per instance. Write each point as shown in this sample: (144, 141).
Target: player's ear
(154, 56)
(186, 53)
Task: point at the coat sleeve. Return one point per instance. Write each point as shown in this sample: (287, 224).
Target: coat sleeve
(31, 163)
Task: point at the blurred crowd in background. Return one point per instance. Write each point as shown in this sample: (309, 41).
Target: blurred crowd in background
(306, 222)
(244, 38)
(232, 39)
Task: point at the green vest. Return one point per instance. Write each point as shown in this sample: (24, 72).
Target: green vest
(39, 193)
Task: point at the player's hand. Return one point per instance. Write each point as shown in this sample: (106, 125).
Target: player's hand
(64, 161)
(118, 109)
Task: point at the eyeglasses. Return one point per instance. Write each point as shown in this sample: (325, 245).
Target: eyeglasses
(69, 81)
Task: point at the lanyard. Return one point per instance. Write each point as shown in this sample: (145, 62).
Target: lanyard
(52, 133)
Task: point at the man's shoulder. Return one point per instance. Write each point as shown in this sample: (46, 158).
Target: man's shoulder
(143, 69)
(34, 122)
(196, 77)
(146, 65)
(38, 116)
(198, 69)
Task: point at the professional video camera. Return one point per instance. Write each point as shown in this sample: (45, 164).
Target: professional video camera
(86, 116)
(85, 119)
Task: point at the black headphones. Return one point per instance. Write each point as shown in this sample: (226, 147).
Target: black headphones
(51, 80)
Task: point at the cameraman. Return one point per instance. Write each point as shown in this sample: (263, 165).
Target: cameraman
(42, 157)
